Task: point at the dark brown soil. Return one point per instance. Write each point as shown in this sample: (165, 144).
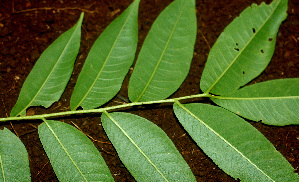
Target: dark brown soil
(27, 27)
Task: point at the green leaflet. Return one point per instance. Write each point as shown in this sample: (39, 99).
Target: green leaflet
(50, 74)
(108, 61)
(164, 60)
(244, 49)
(233, 144)
(275, 102)
(14, 161)
(145, 149)
(72, 155)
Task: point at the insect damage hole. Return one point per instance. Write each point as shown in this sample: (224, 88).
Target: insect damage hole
(262, 51)
(236, 48)
(270, 39)
(243, 72)
(253, 30)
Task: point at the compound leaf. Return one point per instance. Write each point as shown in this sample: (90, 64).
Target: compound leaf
(108, 61)
(14, 161)
(145, 149)
(244, 48)
(51, 73)
(72, 155)
(233, 144)
(275, 102)
(164, 60)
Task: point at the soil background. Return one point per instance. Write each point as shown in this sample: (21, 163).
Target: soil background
(28, 27)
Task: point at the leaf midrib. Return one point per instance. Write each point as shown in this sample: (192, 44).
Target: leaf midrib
(223, 139)
(255, 98)
(65, 150)
(162, 55)
(135, 144)
(48, 77)
(2, 168)
(105, 62)
(241, 51)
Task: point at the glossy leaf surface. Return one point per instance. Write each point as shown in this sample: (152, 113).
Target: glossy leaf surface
(275, 102)
(14, 161)
(164, 60)
(145, 149)
(108, 61)
(72, 155)
(233, 144)
(50, 74)
(244, 49)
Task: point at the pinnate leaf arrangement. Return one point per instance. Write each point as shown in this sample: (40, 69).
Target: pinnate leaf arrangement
(240, 54)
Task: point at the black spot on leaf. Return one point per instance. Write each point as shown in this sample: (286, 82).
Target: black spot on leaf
(237, 49)
(270, 39)
(237, 44)
(253, 30)
(243, 72)
(262, 51)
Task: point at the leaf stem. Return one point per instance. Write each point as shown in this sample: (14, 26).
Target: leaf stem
(100, 110)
